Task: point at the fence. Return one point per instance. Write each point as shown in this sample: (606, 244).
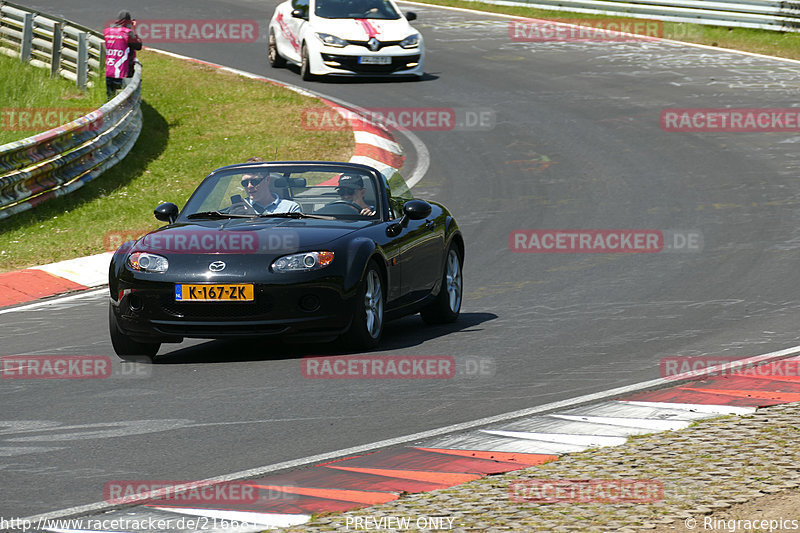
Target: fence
(67, 49)
(760, 14)
(63, 159)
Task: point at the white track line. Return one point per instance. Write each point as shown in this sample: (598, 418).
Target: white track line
(322, 457)
(54, 301)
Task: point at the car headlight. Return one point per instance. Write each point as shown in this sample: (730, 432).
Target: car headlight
(331, 40)
(148, 262)
(302, 262)
(412, 41)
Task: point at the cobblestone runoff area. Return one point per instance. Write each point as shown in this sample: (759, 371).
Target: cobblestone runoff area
(703, 470)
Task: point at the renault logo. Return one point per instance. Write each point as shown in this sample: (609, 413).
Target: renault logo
(216, 266)
(373, 44)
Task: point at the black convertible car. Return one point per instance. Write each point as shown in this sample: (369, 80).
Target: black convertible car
(304, 250)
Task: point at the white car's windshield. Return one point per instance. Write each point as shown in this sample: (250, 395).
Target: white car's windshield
(355, 9)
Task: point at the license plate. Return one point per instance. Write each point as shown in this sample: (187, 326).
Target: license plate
(374, 60)
(214, 293)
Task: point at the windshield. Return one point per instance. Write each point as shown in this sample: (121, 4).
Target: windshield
(355, 9)
(260, 191)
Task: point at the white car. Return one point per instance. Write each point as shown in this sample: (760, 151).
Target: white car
(346, 38)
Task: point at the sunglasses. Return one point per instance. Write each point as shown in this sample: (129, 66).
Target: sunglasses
(251, 181)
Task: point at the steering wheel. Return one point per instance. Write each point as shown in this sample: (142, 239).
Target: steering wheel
(242, 208)
(353, 205)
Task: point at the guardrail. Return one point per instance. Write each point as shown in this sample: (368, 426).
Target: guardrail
(760, 14)
(63, 159)
(69, 50)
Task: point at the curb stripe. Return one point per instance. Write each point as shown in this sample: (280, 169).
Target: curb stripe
(637, 423)
(379, 154)
(356, 496)
(365, 137)
(778, 397)
(709, 409)
(527, 459)
(446, 479)
(746, 383)
(560, 438)
(31, 284)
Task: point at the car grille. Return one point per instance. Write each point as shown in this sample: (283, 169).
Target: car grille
(351, 63)
(381, 44)
(217, 310)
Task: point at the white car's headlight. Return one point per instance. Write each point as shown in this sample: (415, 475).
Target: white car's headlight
(412, 41)
(331, 40)
(302, 262)
(145, 262)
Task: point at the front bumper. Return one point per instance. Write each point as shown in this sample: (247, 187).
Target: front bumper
(339, 63)
(329, 60)
(149, 312)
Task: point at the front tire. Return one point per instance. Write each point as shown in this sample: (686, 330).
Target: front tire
(275, 59)
(447, 305)
(367, 325)
(305, 65)
(125, 347)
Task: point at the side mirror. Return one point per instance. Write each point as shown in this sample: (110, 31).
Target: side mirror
(417, 209)
(166, 212)
(411, 16)
(299, 14)
(412, 210)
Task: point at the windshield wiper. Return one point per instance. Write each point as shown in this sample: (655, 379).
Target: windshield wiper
(296, 214)
(218, 214)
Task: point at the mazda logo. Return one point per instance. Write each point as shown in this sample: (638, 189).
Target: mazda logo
(216, 266)
(373, 44)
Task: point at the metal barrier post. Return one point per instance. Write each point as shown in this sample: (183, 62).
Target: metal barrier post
(55, 55)
(27, 38)
(102, 59)
(83, 59)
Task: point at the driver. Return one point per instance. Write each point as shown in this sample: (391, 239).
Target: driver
(351, 189)
(261, 198)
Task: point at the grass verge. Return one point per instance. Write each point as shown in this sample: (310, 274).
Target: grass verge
(30, 89)
(196, 118)
(774, 43)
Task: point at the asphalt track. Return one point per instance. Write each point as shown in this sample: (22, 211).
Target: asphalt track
(576, 144)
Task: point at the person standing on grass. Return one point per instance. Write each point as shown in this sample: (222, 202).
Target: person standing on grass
(121, 45)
